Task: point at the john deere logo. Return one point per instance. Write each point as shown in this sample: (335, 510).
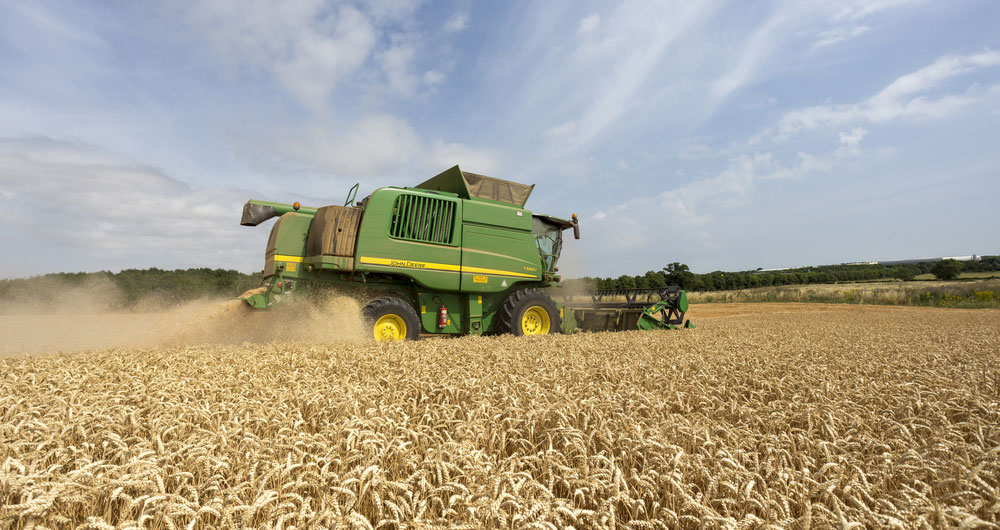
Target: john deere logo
(407, 264)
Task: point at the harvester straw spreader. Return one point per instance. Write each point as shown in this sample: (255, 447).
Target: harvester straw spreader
(457, 254)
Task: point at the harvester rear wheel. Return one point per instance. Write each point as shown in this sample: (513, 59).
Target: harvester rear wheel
(391, 319)
(529, 312)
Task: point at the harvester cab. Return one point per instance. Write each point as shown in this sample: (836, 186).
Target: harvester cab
(456, 254)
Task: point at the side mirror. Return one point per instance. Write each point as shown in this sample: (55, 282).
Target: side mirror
(576, 227)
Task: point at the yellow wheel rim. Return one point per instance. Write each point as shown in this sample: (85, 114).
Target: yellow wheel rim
(535, 321)
(390, 327)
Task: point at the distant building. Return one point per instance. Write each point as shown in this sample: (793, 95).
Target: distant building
(931, 260)
(888, 263)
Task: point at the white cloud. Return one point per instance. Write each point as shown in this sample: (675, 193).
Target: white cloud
(760, 102)
(633, 43)
(692, 204)
(903, 98)
(391, 11)
(397, 66)
(694, 151)
(754, 51)
(377, 145)
(806, 165)
(433, 77)
(103, 211)
(850, 142)
(886, 152)
(579, 173)
(839, 34)
(113, 210)
(440, 155)
(931, 76)
(372, 146)
(846, 18)
(858, 9)
(56, 27)
(308, 47)
(311, 47)
(832, 22)
(457, 22)
(399, 62)
(589, 23)
(563, 130)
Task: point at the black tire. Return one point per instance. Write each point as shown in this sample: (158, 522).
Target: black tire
(511, 313)
(389, 307)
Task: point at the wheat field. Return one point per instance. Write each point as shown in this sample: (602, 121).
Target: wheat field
(839, 416)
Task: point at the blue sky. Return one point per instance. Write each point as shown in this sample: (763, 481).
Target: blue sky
(724, 135)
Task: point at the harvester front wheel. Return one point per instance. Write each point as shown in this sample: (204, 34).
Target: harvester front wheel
(529, 312)
(391, 319)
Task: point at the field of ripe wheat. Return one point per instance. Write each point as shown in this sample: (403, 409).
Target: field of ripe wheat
(965, 294)
(838, 417)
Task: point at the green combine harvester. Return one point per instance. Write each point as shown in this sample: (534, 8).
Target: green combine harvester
(457, 254)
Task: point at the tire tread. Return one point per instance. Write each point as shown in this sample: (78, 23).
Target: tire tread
(510, 306)
(374, 309)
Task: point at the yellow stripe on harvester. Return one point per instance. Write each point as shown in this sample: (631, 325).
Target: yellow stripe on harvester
(282, 257)
(498, 272)
(409, 264)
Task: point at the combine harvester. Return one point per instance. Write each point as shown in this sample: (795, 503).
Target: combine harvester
(457, 254)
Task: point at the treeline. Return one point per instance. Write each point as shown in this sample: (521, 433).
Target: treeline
(128, 288)
(132, 287)
(679, 274)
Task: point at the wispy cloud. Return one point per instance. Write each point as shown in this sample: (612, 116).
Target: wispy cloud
(308, 48)
(839, 34)
(903, 98)
(311, 47)
(397, 63)
(457, 22)
(858, 9)
(627, 49)
(110, 208)
(376, 145)
(759, 46)
(693, 204)
(850, 142)
(831, 23)
(846, 20)
(588, 23)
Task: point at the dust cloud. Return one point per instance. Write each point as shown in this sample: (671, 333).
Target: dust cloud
(62, 320)
(54, 296)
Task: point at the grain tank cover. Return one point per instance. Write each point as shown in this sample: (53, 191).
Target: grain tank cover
(470, 185)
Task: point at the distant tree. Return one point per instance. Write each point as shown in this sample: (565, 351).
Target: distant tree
(625, 282)
(989, 263)
(678, 274)
(947, 269)
(904, 272)
(655, 279)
